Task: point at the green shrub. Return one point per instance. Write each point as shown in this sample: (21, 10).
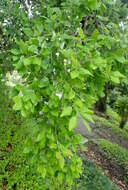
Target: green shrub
(116, 154)
(114, 151)
(111, 124)
(14, 167)
(113, 116)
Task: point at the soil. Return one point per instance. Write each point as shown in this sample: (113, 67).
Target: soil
(107, 133)
(110, 168)
(101, 133)
(4, 184)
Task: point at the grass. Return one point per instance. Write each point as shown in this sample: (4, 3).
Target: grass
(116, 154)
(93, 178)
(114, 151)
(113, 116)
(111, 123)
(15, 170)
(14, 167)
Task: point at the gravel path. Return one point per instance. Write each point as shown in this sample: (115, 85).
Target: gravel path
(101, 133)
(84, 131)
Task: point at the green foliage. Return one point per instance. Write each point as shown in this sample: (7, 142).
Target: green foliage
(113, 115)
(52, 64)
(13, 26)
(117, 13)
(93, 178)
(111, 123)
(119, 101)
(64, 67)
(63, 57)
(17, 169)
(3, 101)
(122, 107)
(116, 154)
(14, 167)
(114, 151)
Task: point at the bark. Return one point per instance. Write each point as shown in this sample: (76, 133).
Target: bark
(59, 3)
(101, 104)
(123, 121)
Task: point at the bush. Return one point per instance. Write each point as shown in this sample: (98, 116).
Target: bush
(115, 154)
(111, 123)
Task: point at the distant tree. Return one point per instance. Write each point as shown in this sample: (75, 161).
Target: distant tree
(117, 13)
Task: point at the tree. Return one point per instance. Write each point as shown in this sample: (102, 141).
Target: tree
(9, 30)
(61, 70)
(121, 102)
(117, 13)
(14, 25)
(124, 1)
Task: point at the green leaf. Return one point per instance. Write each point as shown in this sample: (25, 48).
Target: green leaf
(42, 170)
(60, 177)
(32, 48)
(92, 4)
(121, 59)
(72, 123)
(44, 82)
(115, 79)
(87, 125)
(23, 112)
(99, 62)
(28, 105)
(15, 58)
(23, 46)
(95, 34)
(18, 103)
(74, 74)
(37, 61)
(66, 111)
(15, 52)
(60, 159)
(27, 61)
(28, 32)
(32, 60)
(81, 33)
(85, 72)
(71, 95)
(66, 152)
(34, 98)
(26, 150)
(78, 103)
(116, 76)
(43, 143)
(40, 136)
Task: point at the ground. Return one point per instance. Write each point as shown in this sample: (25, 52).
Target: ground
(107, 147)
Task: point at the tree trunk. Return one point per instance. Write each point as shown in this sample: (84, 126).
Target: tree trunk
(59, 3)
(101, 104)
(123, 121)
